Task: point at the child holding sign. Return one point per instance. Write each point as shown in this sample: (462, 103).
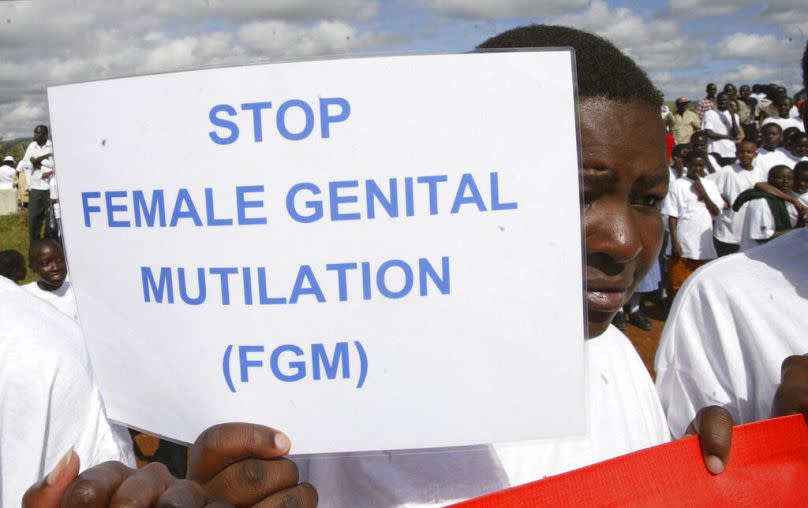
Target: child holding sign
(622, 187)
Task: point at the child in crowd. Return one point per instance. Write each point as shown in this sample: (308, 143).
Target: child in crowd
(46, 259)
(691, 204)
(698, 143)
(784, 104)
(800, 189)
(731, 182)
(797, 148)
(767, 216)
(12, 265)
(770, 153)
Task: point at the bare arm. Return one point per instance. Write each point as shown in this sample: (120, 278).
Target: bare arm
(711, 207)
(676, 249)
(774, 191)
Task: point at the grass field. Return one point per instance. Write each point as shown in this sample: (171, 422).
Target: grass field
(14, 235)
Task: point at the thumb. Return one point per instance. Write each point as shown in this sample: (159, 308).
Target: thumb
(49, 491)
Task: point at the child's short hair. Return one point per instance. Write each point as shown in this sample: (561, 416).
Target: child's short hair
(11, 261)
(602, 69)
(695, 154)
(679, 150)
(776, 170)
(771, 125)
(33, 249)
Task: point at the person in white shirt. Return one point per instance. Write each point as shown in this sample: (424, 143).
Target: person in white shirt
(8, 195)
(622, 189)
(731, 327)
(770, 153)
(49, 401)
(46, 259)
(767, 216)
(723, 128)
(698, 143)
(797, 149)
(731, 182)
(784, 105)
(800, 188)
(690, 206)
(39, 192)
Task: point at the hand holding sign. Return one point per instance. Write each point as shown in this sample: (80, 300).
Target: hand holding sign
(234, 464)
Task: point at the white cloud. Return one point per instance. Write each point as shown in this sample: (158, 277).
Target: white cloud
(701, 8)
(655, 43)
(244, 10)
(21, 117)
(501, 9)
(756, 46)
(285, 40)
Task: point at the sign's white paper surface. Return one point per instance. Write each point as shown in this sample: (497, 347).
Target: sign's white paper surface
(377, 253)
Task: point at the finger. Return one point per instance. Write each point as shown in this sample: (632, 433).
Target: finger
(48, 493)
(224, 444)
(248, 481)
(791, 396)
(300, 496)
(94, 487)
(183, 493)
(713, 425)
(144, 487)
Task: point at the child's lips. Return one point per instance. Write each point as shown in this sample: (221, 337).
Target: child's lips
(603, 300)
(56, 277)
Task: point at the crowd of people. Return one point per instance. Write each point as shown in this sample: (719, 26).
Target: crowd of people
(736, 182)
(738, 178)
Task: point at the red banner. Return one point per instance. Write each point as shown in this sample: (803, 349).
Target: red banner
(768, 466)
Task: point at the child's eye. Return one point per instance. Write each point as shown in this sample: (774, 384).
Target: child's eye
(649, 201)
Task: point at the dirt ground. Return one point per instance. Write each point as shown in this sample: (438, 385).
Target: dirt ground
(646, 342)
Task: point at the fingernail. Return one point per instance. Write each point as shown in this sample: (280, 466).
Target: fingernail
(281, 441)
(714, 464)
(53, 476)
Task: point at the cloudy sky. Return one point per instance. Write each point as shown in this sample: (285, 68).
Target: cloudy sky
(681, 43)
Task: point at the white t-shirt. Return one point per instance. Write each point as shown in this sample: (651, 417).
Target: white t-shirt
(801, 197)
(731, 326)
(623, 413)
(49, 401)
(34, 175)
(62, 298)
(759, 224)
(731, 181)
(720, 123)
(793, 159)
(694, 228)
(7, 177)
(785, 123)
(767, 159)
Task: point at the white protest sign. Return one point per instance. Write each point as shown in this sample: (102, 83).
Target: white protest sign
(377, 253)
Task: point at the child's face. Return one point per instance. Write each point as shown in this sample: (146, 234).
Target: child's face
(49, 263)
(801, 181)
(695, 168)
(699, 143)
(625, 176)
(746, 153)
(800, 147)
(772, 137)
(782, 178)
